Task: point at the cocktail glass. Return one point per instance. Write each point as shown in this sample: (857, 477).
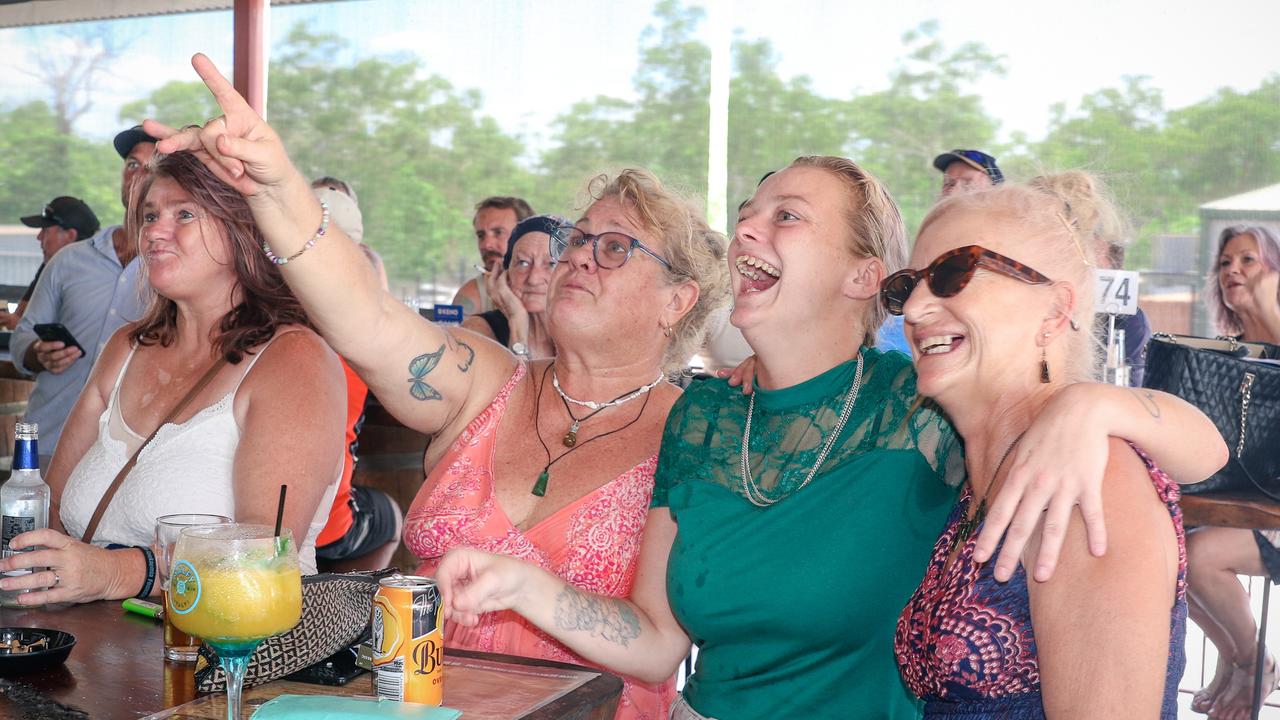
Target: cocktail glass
(234, 585)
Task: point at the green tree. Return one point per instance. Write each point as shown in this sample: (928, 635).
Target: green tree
(663, 130)
(773, 120)
(929, 107)
(176, 103)
(34, 171)
(418, 151)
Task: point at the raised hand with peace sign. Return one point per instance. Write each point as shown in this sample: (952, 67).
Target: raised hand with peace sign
(238, 146)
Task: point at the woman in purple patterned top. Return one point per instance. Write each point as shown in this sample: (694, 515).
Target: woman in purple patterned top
(998, 315)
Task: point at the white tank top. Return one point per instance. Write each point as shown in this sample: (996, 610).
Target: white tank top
(187, 468)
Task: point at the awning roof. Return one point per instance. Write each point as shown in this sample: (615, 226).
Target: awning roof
(22, 13)
(1265, 199)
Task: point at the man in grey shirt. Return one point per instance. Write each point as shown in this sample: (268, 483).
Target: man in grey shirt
(92, 288)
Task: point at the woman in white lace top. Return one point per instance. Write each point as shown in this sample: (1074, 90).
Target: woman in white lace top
(272, 414)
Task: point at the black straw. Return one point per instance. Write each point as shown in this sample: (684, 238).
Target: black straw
(280, 510)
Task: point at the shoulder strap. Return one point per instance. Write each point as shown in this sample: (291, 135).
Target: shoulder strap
(124, 471)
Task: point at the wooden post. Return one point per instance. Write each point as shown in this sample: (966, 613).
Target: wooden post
(250, 74)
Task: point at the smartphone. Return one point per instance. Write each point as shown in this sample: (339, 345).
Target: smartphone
(51, 332)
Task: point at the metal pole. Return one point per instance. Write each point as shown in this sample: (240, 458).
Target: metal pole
(250, 19)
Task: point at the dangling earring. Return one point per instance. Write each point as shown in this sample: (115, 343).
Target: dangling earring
(666, 330)
(1044, 363)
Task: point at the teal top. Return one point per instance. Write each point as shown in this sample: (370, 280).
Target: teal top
(793, 606)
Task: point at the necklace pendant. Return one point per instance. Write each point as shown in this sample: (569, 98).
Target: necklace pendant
(571, 438)
(540, 487)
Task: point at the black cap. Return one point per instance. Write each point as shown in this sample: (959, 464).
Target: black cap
(975, 159)
(66, 212)
(125, 141)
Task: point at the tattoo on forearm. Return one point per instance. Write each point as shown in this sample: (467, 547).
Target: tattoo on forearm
(419, 368)
(612, 620)
(1148, 400)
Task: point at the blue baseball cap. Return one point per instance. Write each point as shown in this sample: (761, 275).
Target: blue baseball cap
(975, 159)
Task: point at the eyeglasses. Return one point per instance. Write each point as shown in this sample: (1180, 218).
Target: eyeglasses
(611, 250)
(950, 272)
(50, 214)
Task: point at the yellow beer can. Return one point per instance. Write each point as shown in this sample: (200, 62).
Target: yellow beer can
(408, 640)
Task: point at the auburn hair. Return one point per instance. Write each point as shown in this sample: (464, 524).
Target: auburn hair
(260, 301)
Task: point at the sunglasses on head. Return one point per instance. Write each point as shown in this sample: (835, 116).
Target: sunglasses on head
(52, 215)
(950, 272)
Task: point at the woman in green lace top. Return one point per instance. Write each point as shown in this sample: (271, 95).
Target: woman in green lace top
(789, 526)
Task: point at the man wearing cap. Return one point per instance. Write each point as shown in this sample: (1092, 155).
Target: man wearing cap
(964, 170)
(63, 221)
(92, 289)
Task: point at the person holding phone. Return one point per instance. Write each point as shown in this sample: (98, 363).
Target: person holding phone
(91, 289)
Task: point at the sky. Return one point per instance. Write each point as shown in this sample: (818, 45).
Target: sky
(532, 58)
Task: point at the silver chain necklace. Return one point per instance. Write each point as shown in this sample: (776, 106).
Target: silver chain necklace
(555, 383)
(753, 493)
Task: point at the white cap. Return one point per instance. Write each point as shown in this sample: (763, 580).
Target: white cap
(343, 211)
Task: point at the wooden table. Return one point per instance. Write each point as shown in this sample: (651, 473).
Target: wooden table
(1244, 511)
(116, 670)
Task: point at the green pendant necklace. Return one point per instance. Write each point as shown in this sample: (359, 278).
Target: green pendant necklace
(540, 486)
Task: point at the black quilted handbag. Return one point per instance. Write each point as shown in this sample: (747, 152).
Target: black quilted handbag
(1238, 386)
(335, 615)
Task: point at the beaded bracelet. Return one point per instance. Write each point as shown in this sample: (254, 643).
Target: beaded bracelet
(324, 225)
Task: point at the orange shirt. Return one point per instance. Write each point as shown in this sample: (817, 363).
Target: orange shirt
(340, 516)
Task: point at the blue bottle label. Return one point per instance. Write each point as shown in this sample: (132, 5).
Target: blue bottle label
(25, 455)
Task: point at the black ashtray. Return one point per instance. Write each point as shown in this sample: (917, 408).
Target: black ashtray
(29, 649)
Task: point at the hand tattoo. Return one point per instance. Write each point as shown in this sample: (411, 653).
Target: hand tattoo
(612, 620)
(419, 367)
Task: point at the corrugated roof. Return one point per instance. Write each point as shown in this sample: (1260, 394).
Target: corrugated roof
(1265, 199)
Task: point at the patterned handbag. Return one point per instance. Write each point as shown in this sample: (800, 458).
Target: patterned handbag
(1238, 386)
(335, 615)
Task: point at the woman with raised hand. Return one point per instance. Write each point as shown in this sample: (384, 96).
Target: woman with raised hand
(999, 315)
(789, 527)
(271, 412)
(548, 462)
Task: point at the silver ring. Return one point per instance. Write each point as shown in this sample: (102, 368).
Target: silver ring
(56, 579)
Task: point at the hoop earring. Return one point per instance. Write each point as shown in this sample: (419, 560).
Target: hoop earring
(666, 330)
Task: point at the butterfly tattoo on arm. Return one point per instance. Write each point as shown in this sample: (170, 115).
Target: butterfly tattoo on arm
(419, 368)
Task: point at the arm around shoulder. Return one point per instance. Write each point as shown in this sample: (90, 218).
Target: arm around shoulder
(1102, 623)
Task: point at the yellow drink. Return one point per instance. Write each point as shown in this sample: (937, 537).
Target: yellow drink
(235, 585)
(242, 604)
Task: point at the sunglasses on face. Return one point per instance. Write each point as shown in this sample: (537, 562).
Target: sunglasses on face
(611, 250)
(950, 272)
